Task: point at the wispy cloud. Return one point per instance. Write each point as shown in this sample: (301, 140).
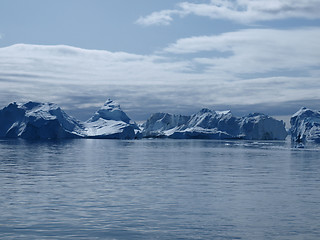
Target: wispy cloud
(241, 11)
(159, 18)
(255, 50)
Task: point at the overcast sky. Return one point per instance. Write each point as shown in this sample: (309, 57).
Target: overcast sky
(162, 55)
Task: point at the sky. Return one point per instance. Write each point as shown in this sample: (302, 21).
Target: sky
(162, 56)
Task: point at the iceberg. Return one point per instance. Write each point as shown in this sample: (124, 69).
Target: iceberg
(110, 122)
(34, 120)
(208, 124)
(305, 126)
(258, 126)
(163, 124)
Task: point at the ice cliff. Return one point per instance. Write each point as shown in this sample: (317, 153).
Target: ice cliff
(34, 120)
(262, 127)
(208, 124)
(305, 126)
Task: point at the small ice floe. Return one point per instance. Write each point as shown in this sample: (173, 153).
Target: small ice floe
(299, 145)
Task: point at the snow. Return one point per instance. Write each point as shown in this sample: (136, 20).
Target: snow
(305, 126)
(110, 129)
(110, 111)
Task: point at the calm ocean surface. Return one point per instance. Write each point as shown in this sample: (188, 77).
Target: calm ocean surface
(158, 189)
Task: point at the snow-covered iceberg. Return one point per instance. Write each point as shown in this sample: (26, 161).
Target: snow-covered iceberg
(110, 122)
(208, 124)
(35, 120)
(305, 126)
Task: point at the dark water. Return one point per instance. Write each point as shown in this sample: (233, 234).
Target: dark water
(158, 189)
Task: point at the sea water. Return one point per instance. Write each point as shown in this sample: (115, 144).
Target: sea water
(158, 189)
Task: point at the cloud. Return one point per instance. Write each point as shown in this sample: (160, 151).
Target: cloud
(68, 65)
(252, 67)
(255, 50)
(158, 18)
(241, 11)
